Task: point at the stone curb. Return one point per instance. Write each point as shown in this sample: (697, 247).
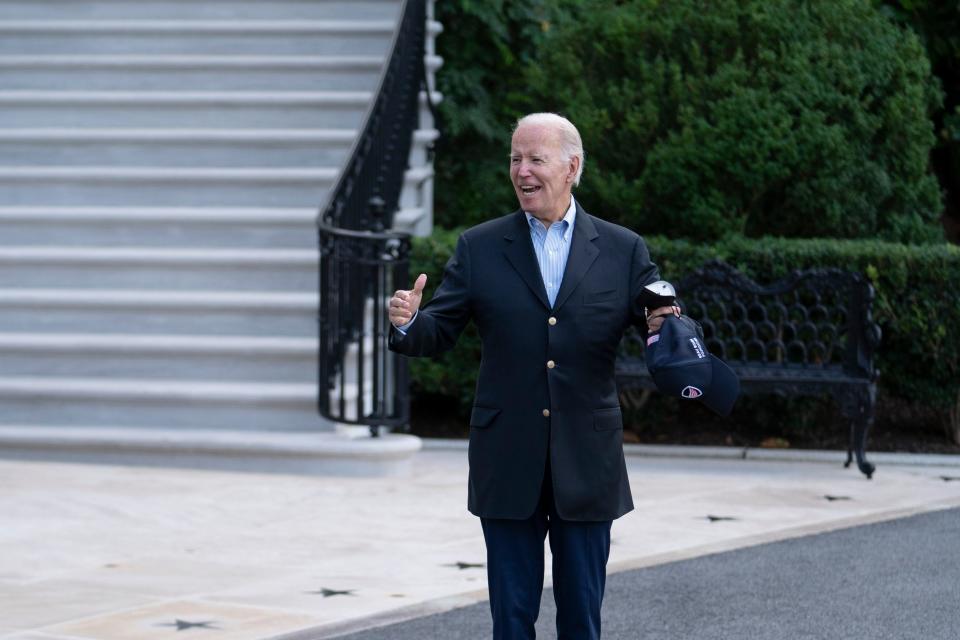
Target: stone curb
(265, 452)
(748, 453)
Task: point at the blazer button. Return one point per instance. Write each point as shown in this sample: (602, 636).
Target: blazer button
(546, 413)
(551, 321)
(551, 364)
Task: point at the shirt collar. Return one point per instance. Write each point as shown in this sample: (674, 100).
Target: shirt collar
(569, 218)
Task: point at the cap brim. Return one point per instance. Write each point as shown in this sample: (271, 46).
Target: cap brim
(724, 388)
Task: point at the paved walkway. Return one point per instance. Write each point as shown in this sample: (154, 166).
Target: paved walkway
(110, 552)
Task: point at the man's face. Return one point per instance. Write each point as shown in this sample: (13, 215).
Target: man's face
(541, 178)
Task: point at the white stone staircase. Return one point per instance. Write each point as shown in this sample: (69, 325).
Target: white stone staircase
(161, 167)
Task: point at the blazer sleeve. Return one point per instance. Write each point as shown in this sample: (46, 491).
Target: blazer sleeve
(440, 321)
(642, 273)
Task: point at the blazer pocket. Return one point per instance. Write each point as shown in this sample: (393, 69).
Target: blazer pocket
(482, 417)
(607, 419)
(599, 296)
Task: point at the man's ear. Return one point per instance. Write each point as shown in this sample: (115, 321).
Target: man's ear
(574, 166)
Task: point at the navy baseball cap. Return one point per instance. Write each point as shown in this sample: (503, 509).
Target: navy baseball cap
(681, 366)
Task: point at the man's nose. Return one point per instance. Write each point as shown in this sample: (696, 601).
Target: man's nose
(524, 169)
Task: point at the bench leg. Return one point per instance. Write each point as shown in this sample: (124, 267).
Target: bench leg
(859, 428)
(858, 441)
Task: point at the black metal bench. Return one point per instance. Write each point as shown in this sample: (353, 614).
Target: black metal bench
(809, 334)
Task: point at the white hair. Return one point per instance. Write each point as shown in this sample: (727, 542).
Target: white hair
(570, 143)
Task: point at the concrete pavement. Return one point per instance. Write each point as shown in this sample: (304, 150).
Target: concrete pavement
(111, 552)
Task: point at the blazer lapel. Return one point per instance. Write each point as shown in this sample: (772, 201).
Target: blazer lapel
(583, 253)
(519, 251)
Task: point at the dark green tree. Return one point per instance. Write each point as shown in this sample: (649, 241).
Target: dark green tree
(486, 45)
(779, 117)
(937, 24)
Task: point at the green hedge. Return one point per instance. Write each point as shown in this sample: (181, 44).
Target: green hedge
(756, 117)
(917, 306)
(454, 373)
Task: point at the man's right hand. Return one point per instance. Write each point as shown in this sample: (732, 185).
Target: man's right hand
(404, 304)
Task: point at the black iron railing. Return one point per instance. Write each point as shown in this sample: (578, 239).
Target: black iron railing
(361, 263)
(380, 153)
(361, 381)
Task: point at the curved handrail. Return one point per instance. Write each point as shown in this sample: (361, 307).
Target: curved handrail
(379, 155)
(362, 234)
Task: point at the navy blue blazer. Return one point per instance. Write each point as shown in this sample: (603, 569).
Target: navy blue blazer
(546, 384)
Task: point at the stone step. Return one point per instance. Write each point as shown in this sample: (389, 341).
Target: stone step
(165, 186)
(206, 10)
(139, 403)
(159, 227)
(351, 362)
(344, 389)
(173, 186)
(187, 109)
(151, 268)
(344, 404)
(331, 453)
(408, 220)
(168, 227)
(183, 109)
(139, 72)
(184, 357)
(201, 36)
(226, 148)
(422, 145)
(193, 109)
(158, 312)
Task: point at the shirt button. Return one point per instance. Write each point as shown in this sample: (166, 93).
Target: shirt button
(551, 321)
(551, 364)
(546, 413)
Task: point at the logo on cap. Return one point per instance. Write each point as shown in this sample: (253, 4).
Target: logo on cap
(691, 392)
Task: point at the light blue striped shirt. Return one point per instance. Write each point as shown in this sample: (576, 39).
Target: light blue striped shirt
(552, 247)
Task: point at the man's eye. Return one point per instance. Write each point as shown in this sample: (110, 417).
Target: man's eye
(515, 160)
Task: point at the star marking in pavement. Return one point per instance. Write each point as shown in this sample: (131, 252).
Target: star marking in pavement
(327, 593)
(719, 518)
(466, 565)
(182, 625)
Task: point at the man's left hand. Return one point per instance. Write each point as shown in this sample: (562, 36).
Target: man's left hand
(655, 317)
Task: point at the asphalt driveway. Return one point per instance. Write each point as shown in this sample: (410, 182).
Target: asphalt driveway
(897, 580)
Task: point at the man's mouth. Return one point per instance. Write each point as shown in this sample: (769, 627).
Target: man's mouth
(528, 190)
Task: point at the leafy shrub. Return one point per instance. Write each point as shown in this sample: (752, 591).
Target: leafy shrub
(800, 119)
(485, 47)
(453, 373)
(937, 24)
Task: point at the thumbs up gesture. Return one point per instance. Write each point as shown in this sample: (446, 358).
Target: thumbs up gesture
(404, 304)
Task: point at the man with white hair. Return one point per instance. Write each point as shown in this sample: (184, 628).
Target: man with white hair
(551, 289)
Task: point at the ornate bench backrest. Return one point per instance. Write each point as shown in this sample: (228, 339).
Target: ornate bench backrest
(818, 319)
